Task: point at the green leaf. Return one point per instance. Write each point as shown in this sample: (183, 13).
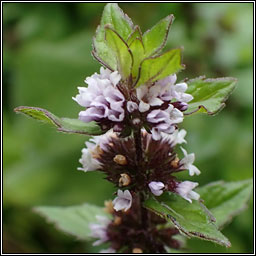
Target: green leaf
(121, 23)
(158, 67)
(121, 51)
(137, 50)
(209, 94)
(67, 125)
(73, 220)
(192, 219)
(136, 33)
(226, 199)
(155, 38)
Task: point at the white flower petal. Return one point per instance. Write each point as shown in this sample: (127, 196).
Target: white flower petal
(131, 106)
(123, 201)
(143, 107)
(184, 189)
(156, 187)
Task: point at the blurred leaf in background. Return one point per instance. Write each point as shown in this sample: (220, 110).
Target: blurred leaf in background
(47, 55)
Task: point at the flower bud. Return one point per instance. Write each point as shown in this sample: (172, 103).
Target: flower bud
(124, 180)
(175, 162)
(120, 159)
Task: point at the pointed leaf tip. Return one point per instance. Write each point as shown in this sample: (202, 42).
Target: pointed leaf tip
(155, 39)
(191, 219)
(67, 125)
(209, 94)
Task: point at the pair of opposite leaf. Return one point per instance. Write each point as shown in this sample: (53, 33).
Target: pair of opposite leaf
(119, 45)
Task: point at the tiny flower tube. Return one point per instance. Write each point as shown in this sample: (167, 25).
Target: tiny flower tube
(156, 187)
(123, 201)
(187, 163)
(184, 189)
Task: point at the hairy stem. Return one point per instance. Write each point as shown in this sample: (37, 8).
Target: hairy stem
(138, 146)
(139, 159)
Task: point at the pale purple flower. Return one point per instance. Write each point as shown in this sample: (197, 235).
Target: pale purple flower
(99, 230)
(175, 138)
(131, 106)
(148, 96)
(156, 187)
(163, 90)
(178, 92)
(123, 201)
(88, 161)
(184, 189)
(101, 98)
(187, 163)
(163, 121)
(173, 91)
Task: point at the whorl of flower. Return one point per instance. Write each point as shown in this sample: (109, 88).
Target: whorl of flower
(187, 163)
(130, 232)
(184, 189)
(101, 98)
(99, 230)
(123, 201)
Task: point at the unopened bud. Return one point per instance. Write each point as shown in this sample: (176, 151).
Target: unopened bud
(109, 207)
(117, 220)
(175, 162)
(137, 250)
(124, 180)
(120, 159)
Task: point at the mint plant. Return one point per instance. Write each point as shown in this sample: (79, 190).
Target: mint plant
(132, 108)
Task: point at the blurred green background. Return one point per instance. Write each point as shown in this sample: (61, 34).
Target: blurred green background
(47, 55)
